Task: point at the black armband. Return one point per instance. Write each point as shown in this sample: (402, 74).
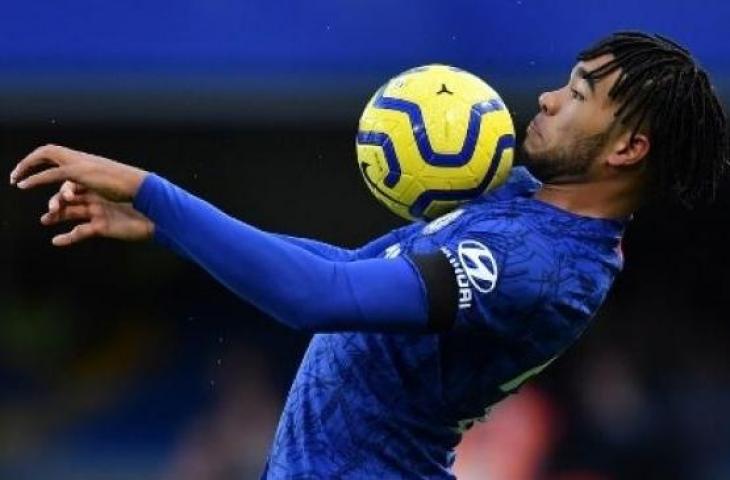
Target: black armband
(441, 289)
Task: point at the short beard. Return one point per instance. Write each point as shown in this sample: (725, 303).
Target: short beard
(564, 164)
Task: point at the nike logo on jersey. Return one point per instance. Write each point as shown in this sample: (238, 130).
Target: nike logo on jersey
(392, 251)
(442, 222)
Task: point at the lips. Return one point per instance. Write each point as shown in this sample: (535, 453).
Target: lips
(533, 127)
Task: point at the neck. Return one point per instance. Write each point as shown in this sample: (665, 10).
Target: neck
(610, 198)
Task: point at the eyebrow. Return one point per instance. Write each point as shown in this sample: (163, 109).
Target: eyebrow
(584, 74)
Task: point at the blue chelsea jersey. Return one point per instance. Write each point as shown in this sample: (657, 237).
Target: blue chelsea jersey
(530, 277)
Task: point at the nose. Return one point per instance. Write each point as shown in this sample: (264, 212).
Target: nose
(548, 103)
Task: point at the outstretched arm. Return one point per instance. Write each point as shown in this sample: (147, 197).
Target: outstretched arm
(295, 286)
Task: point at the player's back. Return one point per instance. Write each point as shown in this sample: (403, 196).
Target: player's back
(530, 277)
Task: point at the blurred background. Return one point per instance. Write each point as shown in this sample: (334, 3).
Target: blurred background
(121, 361)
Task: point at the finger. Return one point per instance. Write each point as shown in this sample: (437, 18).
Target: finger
(57, 201)
(77, 234)
(70, 189)
(69, 193)
(76, 212)
(54, 203)
(45, 155)
(62, 199)
(52, 175)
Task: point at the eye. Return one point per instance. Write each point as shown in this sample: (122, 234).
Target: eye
(577, 95)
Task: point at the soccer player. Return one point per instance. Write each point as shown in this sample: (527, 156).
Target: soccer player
(419, 332)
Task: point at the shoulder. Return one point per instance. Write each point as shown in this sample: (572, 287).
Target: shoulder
(519, 182)
(505, 261)
(522, 176)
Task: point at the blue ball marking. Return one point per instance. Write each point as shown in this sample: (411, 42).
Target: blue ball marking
(364, 168)
(424, 200)
(383, 140)
(461, 158)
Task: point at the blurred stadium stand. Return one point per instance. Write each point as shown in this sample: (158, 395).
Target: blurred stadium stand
(303, 62)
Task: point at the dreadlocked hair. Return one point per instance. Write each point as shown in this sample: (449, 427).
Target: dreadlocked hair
(662, 90)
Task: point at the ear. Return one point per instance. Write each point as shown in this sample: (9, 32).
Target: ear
(629, 151)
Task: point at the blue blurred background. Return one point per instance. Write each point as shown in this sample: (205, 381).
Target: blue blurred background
(226, 60)
(120, 361)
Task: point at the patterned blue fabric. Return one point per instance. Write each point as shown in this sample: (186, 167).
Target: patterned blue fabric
(392, 406)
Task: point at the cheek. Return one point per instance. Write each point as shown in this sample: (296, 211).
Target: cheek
(562, 132)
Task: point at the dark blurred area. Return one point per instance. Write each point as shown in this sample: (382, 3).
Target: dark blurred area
(121, 361)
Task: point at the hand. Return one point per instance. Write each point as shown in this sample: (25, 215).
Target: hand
(111, 180)
(102, 217)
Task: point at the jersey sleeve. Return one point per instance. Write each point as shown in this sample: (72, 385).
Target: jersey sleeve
(494, 278)
(377, 246)
(372, 249)
(321, 249)
(288, 282)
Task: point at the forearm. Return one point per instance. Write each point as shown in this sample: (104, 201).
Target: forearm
(286, 281)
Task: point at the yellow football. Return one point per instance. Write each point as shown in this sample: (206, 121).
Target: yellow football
(434, 137)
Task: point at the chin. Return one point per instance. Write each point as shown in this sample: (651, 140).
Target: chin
(537, 162)
(531, 146)
(527, 153)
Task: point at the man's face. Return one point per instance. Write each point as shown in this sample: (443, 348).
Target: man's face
(573, 127)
